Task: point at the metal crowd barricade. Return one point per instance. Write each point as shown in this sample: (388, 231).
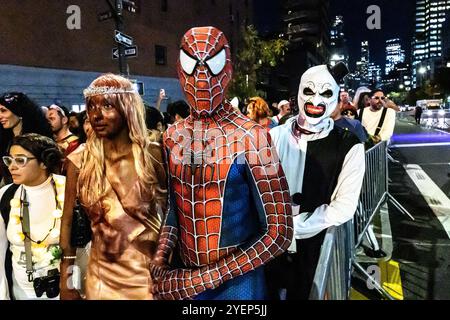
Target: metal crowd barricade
(333, 273)
(332, 280)
(374, 189)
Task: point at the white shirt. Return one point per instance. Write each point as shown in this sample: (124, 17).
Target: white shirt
(4, 293)
(344, 200)
(42, 204)
(371, 119)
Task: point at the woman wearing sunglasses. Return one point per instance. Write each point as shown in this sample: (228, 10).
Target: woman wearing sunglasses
(31, 210)
(18, 115)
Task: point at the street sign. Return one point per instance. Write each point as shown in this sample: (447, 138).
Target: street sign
(129, 52)
(105, 15)
(122, 38)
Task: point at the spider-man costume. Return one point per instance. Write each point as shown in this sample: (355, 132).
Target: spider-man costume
(229, 202)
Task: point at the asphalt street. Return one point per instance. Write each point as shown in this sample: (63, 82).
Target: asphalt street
(420, 181)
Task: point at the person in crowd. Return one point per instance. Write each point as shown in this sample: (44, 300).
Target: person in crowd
(19, 115)
(59, 122)
(379, 120)
(230, 225)
(362, 98)
(74, 123)
(258, 111)
(418, 114)
(344, 100)
(29, 227)
(284, 109)
(349, 111)
(121, 182)
(273, 109)
(178, 110)
(162, 96)
(346, 120)
(324, 169)
(85, 127)
(155, 124)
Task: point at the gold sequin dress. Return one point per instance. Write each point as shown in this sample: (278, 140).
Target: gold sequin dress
(124, 238)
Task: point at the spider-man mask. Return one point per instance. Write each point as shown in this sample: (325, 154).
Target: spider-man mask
(204, 68)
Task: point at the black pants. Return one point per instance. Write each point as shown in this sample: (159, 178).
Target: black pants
(418, 118)
(295, 271)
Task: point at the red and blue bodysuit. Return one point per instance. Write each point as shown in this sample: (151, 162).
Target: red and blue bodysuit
(230, 209)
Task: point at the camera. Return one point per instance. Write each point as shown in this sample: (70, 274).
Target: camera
(48, 284)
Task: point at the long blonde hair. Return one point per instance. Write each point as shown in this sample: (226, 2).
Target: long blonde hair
(91, 182)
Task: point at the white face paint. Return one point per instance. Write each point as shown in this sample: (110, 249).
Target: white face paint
(318, 95)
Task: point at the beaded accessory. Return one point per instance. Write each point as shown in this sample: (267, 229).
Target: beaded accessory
(16, 213)
(95, 91)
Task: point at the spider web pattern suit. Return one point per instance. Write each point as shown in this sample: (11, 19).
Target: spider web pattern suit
(230, 208)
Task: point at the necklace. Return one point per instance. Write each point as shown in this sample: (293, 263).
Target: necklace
(17, 206)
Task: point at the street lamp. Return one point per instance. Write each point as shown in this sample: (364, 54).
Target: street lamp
(422, 70)
(401, 87)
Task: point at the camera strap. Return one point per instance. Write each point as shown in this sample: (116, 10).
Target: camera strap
(27, 233)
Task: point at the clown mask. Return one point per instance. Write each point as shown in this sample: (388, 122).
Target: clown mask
(317, 97)
(204, 68)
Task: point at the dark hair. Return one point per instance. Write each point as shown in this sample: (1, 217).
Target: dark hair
(33, 118)
(179, 107)
(167, 119)
(152, 117)
(81, 134)
(375, 91)
(43, 148)
(361, 100)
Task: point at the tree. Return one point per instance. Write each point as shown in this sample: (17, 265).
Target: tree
(399, 98)
(420, 93)
(254, 54)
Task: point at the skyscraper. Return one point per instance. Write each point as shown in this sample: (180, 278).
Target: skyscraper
(362, 66)
(394, 54)
(307, 27)
(338, 43)
(374, 73)
(427, 44)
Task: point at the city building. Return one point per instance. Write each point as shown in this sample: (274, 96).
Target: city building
(362, 65)
(53, 51)
(338, 43)
(306, 25)
(427, 45)
(398, 79)
(374, 74)
(394, 54)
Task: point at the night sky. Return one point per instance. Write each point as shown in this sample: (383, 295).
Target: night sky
(397, 21)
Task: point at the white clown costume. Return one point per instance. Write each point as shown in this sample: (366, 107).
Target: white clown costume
(324, 167)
